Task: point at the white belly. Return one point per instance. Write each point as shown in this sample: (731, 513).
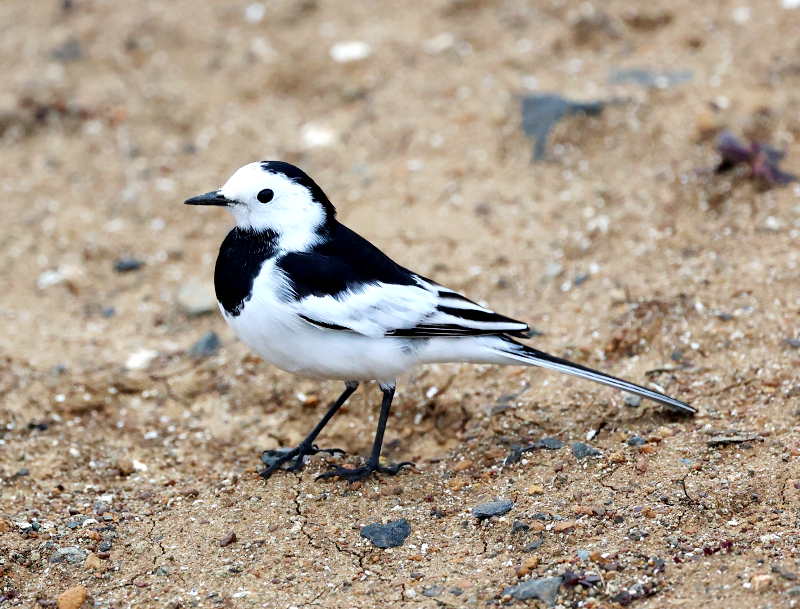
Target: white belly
(270, 329)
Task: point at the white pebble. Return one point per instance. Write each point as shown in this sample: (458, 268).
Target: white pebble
(353, 50)
(255, 12)
(141, 359)
(317, 136)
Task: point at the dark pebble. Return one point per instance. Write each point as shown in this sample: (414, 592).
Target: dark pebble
(582, 450)
(792, 343)
(519, 527)
(545, 589)
(433, 591)
(36, 526)
(636, 441)
(540, 112)
(126, 265)
(108, 312)
(73, 525)
(228, 540)
(23, 472)
(390, 535)
(784, 573)
(69, 50)
(456, 591)
(206, 346)
(104, 546)
(492, 508)
(534, 545)
(541, 516)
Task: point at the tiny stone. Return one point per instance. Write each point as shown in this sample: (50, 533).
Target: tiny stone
(784, 573)
(634, 401)
(519, 526)
(92, 562)
(534, 545)
(228, 540)
(492, 508)
(636, 441)
(433, 591)
(126, 265)
(545, 589)
(390, 535)
(582, 450)
(72, 598)
(206, 346)
(72, 555)
(69, 50)
(197, 299)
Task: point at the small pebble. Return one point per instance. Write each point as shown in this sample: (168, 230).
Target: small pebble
(197, 298)
(492, 508)
(545, 589)
(582, 450)
(92, 562)
(228, 540)
(633, 401)
(206, 346)
(72, 598)
(390, 535)
(126, 265)
(636, 441)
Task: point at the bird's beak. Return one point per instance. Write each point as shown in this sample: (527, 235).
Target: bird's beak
(210, 198)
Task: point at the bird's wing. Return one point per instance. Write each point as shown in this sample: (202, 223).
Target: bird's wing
(332, 294)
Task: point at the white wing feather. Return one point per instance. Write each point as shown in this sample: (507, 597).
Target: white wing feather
(425, 309)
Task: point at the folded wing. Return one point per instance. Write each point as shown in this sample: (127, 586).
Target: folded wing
(410, 306)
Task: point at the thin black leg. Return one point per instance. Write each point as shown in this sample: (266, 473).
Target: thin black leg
(373, 463)
(276, 458)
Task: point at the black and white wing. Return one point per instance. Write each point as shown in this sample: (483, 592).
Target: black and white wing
(331, 293)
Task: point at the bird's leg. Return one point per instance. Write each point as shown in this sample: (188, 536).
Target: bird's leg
(373, 463)
(276, 458)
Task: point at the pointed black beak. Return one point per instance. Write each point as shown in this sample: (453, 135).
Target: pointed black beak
(210, 198)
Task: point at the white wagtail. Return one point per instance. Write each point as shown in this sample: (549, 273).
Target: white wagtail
(312, 297)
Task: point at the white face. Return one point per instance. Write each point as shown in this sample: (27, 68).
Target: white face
(292, 213)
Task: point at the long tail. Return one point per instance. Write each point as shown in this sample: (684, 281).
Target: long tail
(533, 357)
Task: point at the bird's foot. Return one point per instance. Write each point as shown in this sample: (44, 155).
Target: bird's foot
(362, 473)
(281, 458)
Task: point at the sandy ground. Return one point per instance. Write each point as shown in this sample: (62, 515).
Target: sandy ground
(125, 460)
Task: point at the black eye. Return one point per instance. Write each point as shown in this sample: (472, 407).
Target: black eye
(265, 196)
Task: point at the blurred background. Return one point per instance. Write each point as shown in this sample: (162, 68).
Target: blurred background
(608, 171)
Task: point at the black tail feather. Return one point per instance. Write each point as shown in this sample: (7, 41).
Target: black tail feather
(534, 357)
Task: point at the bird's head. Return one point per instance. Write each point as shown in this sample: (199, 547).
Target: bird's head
(277, 197)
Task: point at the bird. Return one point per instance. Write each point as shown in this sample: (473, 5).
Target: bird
(313, 298)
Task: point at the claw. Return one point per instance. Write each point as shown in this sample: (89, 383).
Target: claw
(361, 473)
(276, 459)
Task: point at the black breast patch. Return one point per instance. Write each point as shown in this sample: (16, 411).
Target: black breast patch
(240, 259)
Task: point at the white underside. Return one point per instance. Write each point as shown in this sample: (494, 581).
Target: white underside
(270, 326)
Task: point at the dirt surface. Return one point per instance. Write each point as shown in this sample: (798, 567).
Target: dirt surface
(126, 461)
